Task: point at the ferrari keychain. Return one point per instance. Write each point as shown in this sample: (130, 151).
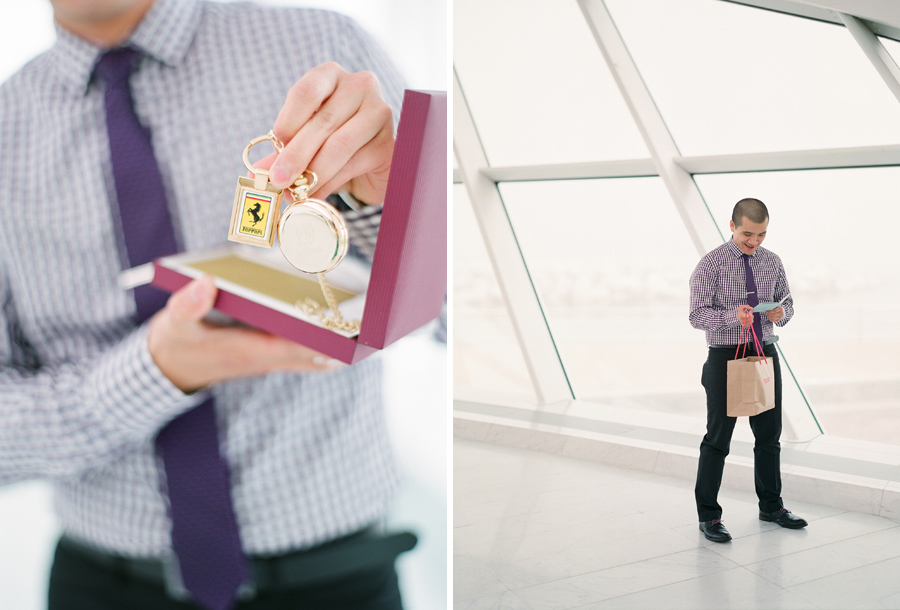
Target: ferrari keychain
(312, 234)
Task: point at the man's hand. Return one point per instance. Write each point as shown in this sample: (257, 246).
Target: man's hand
(775, 314)
(745, 315)
(336, 124)
(194, 354)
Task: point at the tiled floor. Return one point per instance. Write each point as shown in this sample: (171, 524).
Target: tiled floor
(534, 531)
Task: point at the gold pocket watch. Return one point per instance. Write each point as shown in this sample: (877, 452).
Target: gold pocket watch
(312, 234)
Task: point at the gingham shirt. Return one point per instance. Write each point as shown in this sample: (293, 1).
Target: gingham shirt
(718, 288)
(80, 398)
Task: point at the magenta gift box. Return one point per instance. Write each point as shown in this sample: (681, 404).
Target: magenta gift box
(408, 280)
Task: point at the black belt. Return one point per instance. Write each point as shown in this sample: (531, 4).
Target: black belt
(364, 550)
(770, 341)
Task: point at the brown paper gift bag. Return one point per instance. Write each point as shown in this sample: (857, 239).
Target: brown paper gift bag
(751, 383)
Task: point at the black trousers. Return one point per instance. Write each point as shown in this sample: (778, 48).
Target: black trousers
(76, 583)
(766, 429)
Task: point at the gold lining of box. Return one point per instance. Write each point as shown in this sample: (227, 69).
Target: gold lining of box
(274, 283)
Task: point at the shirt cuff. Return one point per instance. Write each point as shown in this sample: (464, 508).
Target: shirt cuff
(362, 225)
(132, 390)
(731, 318)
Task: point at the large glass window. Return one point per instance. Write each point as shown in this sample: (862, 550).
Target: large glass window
(611, 261)
(834, 231)
(735, 79)
(537, 85)
(893, 48)
(610, 258)
(486, 354)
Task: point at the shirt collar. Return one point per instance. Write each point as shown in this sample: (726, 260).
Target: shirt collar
(733, 248)
(165, 34)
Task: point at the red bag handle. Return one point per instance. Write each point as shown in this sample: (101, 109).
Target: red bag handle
(741, 342)
(756, 343)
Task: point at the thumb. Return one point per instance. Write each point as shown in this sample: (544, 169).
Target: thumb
(193, 302)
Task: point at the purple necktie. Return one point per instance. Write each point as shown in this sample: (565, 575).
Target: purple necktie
(205, 536)
(752, 298)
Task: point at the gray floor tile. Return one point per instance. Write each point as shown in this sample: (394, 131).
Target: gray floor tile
(501, 601)
(831, 559)
(735, 589)
(778, 542)
(567, 538)
(863, 585)
(608, 554)
(471, 584)
(891, 602)
(622, 580)
(543, 532)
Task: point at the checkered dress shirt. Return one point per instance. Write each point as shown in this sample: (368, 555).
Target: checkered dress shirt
(80, 397)
(718, 288)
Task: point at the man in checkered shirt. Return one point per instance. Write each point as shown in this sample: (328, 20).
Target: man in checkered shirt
(719, 306)
(85, 390)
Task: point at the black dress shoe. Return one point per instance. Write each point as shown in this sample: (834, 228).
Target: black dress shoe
(715, 531)
(784, 518)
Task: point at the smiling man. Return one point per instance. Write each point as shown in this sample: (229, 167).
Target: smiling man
(725, 286)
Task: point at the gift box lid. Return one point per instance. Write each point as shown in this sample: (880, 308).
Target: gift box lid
(409, 270)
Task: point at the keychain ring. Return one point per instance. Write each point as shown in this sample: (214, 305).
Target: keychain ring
(309, 185)
(278, 145)
(254, 142)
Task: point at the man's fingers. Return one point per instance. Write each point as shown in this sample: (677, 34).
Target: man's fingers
(744, 315)
(360, 149)
(249, 352)
(305, 97)
(265, 163)
(372, 163)
(194, 354)
(329, 115)
(193, 302)
(323, 132)
(341, 146)
(312, 110)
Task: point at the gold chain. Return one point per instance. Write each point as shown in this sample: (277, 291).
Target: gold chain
(335, 321)
(300, 190)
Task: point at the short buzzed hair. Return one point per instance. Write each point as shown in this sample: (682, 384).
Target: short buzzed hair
(752, 209)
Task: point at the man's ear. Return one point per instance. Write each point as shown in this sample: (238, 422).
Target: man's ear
(731, 224)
